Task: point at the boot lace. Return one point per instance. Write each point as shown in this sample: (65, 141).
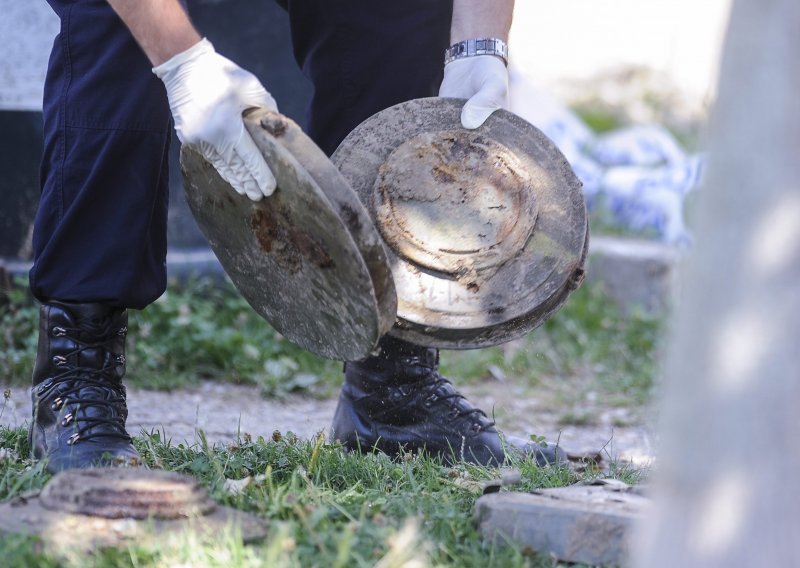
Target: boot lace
(76, 379)
(441, 390)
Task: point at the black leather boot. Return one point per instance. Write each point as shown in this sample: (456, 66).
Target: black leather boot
(397, 401)
(79, 408)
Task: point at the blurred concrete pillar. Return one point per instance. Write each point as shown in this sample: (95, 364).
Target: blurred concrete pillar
(726, 483)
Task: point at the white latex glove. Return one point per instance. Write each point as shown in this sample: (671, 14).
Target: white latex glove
(483, 80)
(207, 94)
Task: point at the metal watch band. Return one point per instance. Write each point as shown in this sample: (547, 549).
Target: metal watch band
(479, 46)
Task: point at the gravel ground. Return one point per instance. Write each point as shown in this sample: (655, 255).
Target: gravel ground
(221, 410)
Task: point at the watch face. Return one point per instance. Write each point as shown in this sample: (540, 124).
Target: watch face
(485, 229)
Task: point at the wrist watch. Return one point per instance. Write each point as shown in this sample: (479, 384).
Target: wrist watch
(479, 46)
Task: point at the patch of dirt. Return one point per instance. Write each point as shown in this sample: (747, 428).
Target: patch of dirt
(222, 411)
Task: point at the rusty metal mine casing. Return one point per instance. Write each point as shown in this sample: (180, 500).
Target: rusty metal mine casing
(485, 230)
(89, 509)
(416, 227)
(307, 258)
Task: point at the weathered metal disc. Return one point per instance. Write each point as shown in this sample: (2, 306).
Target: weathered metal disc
(454, 202)
(131, 493)
(307, 258)
(87, 509)
(486, 230)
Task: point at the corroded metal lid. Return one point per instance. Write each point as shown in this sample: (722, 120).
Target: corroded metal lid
(486, 230)
(88, 509)
(307, 258)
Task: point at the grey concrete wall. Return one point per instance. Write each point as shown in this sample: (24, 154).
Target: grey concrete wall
(27, 29)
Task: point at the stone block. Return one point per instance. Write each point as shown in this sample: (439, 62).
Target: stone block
(634, 273)
(580, 523)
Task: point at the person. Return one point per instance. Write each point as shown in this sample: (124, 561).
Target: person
(120, 73)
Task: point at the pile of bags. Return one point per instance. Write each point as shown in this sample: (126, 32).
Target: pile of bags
(636, 177)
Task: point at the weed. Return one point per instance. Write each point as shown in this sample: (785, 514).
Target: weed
(19, 318)
(17, 473)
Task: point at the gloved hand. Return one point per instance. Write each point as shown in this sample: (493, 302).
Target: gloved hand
(483, 80)
(207, 94)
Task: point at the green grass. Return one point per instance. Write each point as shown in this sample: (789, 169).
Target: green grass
(589, 337)
(205, 330)
(600, 120)
(196, 331)
(325, 507)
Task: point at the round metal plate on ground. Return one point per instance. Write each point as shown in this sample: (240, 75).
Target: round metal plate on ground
(88, 509)
(486, 230)
(307, 258)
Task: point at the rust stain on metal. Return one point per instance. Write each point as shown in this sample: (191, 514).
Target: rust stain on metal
(287, 243)
(350, 217)
(463, 148)
(312, 250)
(275, 125)
(266, 229)
(455, 202)
(443, 174)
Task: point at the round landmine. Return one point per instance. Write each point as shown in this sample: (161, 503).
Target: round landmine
(126, 493)
(307, 258)
(89, 509)
(486, 229)
(454, 202)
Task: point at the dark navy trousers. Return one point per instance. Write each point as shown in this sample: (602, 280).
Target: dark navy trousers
(100, 233)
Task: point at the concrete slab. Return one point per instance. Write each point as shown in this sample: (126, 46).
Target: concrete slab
(589, 524)
(634, 273)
